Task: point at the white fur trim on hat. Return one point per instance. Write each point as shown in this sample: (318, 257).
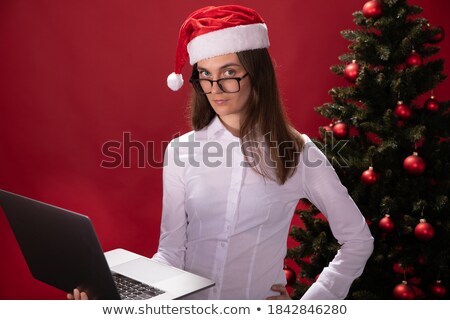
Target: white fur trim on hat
(175, 81)
(229, 40)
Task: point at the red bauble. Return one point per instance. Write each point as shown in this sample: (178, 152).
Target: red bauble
(438, 37)
(422, 259)
(369, 176)
(424, 231)
(374, 138)
(415, 281)
(438, 290)
(351, 72)
(324, 132)
(403, 291)
(372, 9)
(402, 111)
(414, 165)
(419, 143)
(290, 276)
(399, 268)
(432, 104)
(414, 59)
(340, 130)
(386, 224)
(418, 292)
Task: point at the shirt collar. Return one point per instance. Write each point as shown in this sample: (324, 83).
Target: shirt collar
(216, 129)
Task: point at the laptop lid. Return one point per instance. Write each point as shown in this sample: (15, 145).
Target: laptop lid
(60, 247)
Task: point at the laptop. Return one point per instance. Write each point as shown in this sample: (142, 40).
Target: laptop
(61, 249)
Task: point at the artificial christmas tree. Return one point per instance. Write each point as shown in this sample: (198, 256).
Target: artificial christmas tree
(405, 144)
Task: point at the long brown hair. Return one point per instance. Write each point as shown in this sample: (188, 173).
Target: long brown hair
(265, 118)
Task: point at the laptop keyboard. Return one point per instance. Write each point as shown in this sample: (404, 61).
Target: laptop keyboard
(130, 289)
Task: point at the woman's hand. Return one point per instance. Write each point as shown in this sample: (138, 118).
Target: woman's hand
(77, 295)
(284, 295)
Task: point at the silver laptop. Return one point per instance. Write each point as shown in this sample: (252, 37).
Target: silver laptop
(61, 249)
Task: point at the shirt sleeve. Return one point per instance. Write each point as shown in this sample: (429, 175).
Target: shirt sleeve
(324, 189)
(172, 241)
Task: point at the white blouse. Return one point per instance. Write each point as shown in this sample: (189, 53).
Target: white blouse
(224, 221)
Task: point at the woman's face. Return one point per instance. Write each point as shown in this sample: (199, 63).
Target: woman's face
(226, 105)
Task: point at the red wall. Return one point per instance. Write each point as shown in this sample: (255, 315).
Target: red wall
(76, 74)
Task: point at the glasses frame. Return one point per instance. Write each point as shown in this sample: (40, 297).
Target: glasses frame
(198, 87)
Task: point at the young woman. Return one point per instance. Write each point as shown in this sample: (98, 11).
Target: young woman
(226, 214)
(231, 186)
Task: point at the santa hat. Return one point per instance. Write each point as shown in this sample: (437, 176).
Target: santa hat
(214, 31)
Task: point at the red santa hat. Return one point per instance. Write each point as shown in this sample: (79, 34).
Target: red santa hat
(214, 31)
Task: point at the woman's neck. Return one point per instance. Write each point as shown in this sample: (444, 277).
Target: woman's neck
(232, 124)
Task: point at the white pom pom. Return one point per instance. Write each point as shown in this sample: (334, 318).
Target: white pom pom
(175, 81)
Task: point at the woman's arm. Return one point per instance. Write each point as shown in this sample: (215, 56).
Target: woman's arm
(324, 189)
(172, 241)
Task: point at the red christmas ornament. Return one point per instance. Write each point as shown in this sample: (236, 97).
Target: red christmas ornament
(422, 260)
(438, 37)
(418, 293)
(414, 164)
(369, 177)
(351, 72)
(386, 224)
(403, 291)
(340, 130)
(419, 143)
(374, 138)
(424, 231)
(415, 281)
(372, 9)
(325, 129)
(432, 104)
(402, 111)
(290, 275)
(438, 290)
(414, 59)
(398, 268)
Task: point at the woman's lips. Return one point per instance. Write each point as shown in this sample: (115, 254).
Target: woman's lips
(220, 101)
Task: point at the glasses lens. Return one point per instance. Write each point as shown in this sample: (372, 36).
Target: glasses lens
(204, 86)
(229, 85)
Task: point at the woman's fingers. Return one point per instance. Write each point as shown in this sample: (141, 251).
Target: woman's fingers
(84, 296)
(77, 295)
(283, 294)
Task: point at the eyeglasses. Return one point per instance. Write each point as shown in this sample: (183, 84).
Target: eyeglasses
(227, 85)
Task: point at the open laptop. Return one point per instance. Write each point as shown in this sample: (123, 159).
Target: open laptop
(61, 249)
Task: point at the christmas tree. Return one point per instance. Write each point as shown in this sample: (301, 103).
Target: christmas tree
(394, 157)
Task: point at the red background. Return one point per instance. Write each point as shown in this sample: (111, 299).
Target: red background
(76, 74)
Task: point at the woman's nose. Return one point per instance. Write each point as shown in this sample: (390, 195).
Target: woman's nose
(215, 88)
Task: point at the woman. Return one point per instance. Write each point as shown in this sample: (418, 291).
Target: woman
(231, 186)
(230, 221)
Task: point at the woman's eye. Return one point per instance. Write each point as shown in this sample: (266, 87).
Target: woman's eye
(230, 73)
(204, 74)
